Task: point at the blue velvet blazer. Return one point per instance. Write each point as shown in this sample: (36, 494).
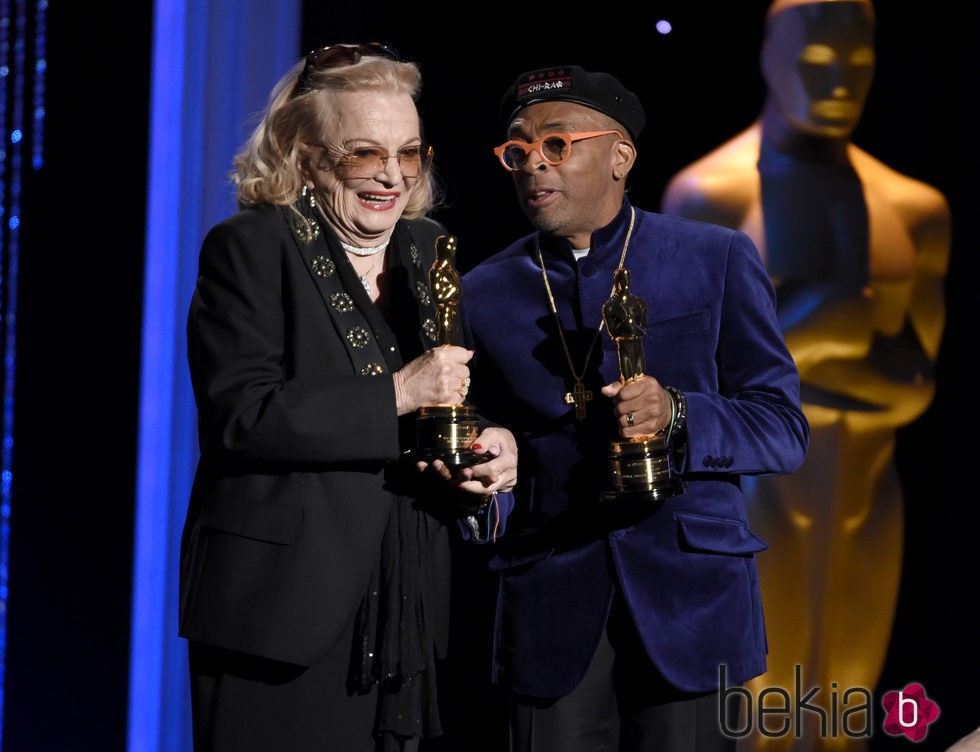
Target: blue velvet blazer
(686, 567)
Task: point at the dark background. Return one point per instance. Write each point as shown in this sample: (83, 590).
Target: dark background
(79, 317)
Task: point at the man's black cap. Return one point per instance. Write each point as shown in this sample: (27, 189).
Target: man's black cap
(570, 83)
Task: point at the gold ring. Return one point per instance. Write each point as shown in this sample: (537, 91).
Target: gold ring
(630, 419)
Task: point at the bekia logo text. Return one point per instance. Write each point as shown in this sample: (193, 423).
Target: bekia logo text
(777, 712)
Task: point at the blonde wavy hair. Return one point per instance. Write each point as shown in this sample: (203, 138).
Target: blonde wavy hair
(267, 165)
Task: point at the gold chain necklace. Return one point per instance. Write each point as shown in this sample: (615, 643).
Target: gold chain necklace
(579, 394)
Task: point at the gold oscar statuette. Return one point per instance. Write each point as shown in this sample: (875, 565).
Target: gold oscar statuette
(447, 431)
(639, 467)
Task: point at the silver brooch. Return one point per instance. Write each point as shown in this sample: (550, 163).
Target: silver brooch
(414, 253)
(422, 290)
(323, 267)
(358, 337)
(342, 302)
(429, 327)
(304, 228)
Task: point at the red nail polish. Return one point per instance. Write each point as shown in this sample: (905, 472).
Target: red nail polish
(477, 446)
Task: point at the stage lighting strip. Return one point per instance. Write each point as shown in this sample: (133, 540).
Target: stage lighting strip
(13, 74)
(4, 466)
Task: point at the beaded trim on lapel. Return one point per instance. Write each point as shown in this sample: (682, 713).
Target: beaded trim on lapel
(350, 322)
(419, 284)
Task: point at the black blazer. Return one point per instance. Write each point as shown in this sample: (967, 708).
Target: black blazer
(291, 368)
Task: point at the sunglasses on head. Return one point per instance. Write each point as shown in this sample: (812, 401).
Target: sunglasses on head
(336, 56)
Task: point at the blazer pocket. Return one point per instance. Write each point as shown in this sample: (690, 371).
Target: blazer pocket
(717, 535)
(514, 559)
(266, 508)
(689, 323)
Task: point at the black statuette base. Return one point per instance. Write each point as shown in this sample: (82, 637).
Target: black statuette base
(446, 432)
(641, 470)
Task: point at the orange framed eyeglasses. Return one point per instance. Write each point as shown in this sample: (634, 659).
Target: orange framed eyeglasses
(553, 148)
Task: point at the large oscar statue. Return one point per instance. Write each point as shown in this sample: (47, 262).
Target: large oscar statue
(858, 254)
(639, 467)
(447, 431)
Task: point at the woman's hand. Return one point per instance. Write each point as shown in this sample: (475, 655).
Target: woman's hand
(497, 473)
(438, 376)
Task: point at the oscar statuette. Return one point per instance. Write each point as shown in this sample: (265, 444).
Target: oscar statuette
(639, 467)
(447, 431)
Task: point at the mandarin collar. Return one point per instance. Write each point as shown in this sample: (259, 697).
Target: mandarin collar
(607, 242)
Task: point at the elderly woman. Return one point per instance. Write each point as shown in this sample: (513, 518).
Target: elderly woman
(314, 571)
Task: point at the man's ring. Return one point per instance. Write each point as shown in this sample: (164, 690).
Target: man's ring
(630, 420)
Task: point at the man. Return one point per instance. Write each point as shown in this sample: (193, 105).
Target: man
(620, 617)
(858, 254)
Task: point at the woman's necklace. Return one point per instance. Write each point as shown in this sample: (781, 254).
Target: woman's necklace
(364, 277)
(579, 394)
(367, 273)
(358, 251)
(377, 250)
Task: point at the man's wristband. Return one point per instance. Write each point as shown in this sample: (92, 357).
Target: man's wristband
(679, 414)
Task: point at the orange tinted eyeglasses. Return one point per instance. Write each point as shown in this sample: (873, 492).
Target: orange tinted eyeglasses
(366, 162)
(553, 148)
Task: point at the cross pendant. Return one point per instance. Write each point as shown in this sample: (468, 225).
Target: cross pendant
(578, 396)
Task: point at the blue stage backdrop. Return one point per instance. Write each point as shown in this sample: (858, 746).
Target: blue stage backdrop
(213, 65)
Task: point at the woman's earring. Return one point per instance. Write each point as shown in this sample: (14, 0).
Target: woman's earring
(304, 223)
